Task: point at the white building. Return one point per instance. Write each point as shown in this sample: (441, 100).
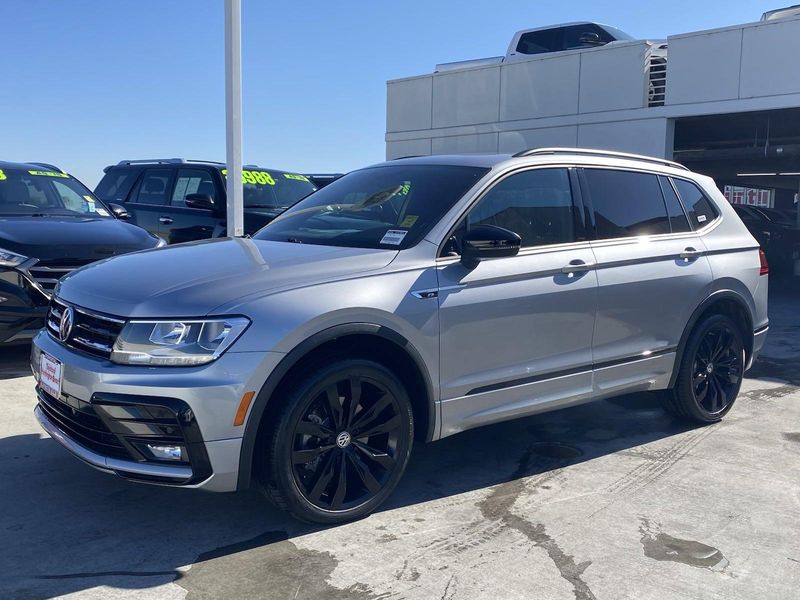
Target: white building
(731, 106)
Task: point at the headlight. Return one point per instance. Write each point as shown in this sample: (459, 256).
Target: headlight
(176, 343)
(11, 259)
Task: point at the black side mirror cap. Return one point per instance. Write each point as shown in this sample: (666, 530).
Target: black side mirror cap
(486, 242)
(119, 212)
(200, 201)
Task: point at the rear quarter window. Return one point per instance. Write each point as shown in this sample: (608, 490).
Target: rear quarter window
(700, 209)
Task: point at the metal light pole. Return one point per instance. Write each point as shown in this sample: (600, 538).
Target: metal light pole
(233, 115)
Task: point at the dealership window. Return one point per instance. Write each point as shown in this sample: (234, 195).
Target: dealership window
(192, 181)
(153, 187)
(626, 204)
(536, 205)
(677, 217)
(701, 211)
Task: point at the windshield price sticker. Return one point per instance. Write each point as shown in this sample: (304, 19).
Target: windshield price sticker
(294, 176)
(48, 174)
(254, 177)
(393, 237)
(409, 221)
(2, 175)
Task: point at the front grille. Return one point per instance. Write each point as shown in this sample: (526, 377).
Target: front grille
(79, 421)
(92, 333)
(47, 272)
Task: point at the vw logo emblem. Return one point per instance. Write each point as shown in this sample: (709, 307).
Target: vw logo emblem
(66, 323)
(343, 440)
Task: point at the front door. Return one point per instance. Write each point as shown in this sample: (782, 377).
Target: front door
(186, 224)
(516, 332)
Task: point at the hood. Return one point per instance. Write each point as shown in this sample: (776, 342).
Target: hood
(71, 238)
(191, 280)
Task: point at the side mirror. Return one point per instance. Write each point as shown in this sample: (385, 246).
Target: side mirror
(590, 38)
(488, 241)
(119, 212)
(200, 201)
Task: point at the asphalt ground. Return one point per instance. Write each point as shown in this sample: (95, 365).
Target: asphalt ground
(608, 500)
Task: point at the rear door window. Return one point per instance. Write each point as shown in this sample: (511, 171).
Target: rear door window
(677, 217)
(192, 181)
(626, 203)
(153, 187)
(700, 209)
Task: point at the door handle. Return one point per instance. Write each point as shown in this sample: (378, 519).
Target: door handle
(690, 253)
(578, 266)
(165, 220)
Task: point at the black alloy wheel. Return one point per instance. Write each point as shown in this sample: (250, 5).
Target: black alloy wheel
(717, 368)
(710, 371)
(342, 443)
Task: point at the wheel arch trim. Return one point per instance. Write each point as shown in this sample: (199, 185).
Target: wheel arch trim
(303, 349)
(710, 300)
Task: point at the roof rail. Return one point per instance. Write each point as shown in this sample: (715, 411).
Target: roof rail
(144, 161)
(47, 166)
(608, 153)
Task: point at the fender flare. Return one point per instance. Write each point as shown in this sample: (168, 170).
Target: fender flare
(294, 356)
(725, 294)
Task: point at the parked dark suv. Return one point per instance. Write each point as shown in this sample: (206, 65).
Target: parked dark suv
(777, 234)
(183, 200)
(50, 224)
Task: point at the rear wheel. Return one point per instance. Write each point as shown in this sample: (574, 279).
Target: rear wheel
(341, 443)
(710, 372)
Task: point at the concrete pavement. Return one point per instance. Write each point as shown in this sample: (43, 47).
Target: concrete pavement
(608, 500)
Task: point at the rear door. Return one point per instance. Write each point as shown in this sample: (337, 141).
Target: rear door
(652, 274)
(148, 200)
(185, 224)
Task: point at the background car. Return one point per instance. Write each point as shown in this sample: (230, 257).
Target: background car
(183, 200)
(50, 224)
(778, 235)
(322, 179)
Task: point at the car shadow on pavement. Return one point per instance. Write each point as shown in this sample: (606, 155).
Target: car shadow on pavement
(65, 527)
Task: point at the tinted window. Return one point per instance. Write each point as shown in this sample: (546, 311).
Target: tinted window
(26, 192)
(192, 181)
(626, 203)
(153, 187)
(115, 185)
(585, 36)
(390, 207)
(535, 204)
(677, 218)
(701, 211)
(537, 42)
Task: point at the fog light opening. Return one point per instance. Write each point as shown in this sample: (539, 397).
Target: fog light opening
(167, 452)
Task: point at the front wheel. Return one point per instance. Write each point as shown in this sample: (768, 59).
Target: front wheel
(711, 371)
(341, 443)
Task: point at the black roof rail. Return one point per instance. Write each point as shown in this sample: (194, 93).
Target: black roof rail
(409, 156)
(47, 166)
(607, 153)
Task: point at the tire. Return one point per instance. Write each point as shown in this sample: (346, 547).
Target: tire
(330, 459)
(710, 372)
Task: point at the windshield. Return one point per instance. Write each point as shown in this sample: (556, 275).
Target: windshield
(45, 192)
(382, 207)
(273, 189)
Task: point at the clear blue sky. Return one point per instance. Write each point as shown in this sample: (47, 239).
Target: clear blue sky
(87, 83)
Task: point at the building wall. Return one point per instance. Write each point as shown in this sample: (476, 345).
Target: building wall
(595, 97)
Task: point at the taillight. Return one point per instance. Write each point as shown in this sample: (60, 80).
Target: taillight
(764, 270)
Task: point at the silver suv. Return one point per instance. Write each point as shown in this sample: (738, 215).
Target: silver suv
(403, 303)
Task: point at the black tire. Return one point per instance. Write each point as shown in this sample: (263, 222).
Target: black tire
(710, 373)
(347, 475)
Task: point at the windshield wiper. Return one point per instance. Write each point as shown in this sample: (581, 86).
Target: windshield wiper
(294, 240)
